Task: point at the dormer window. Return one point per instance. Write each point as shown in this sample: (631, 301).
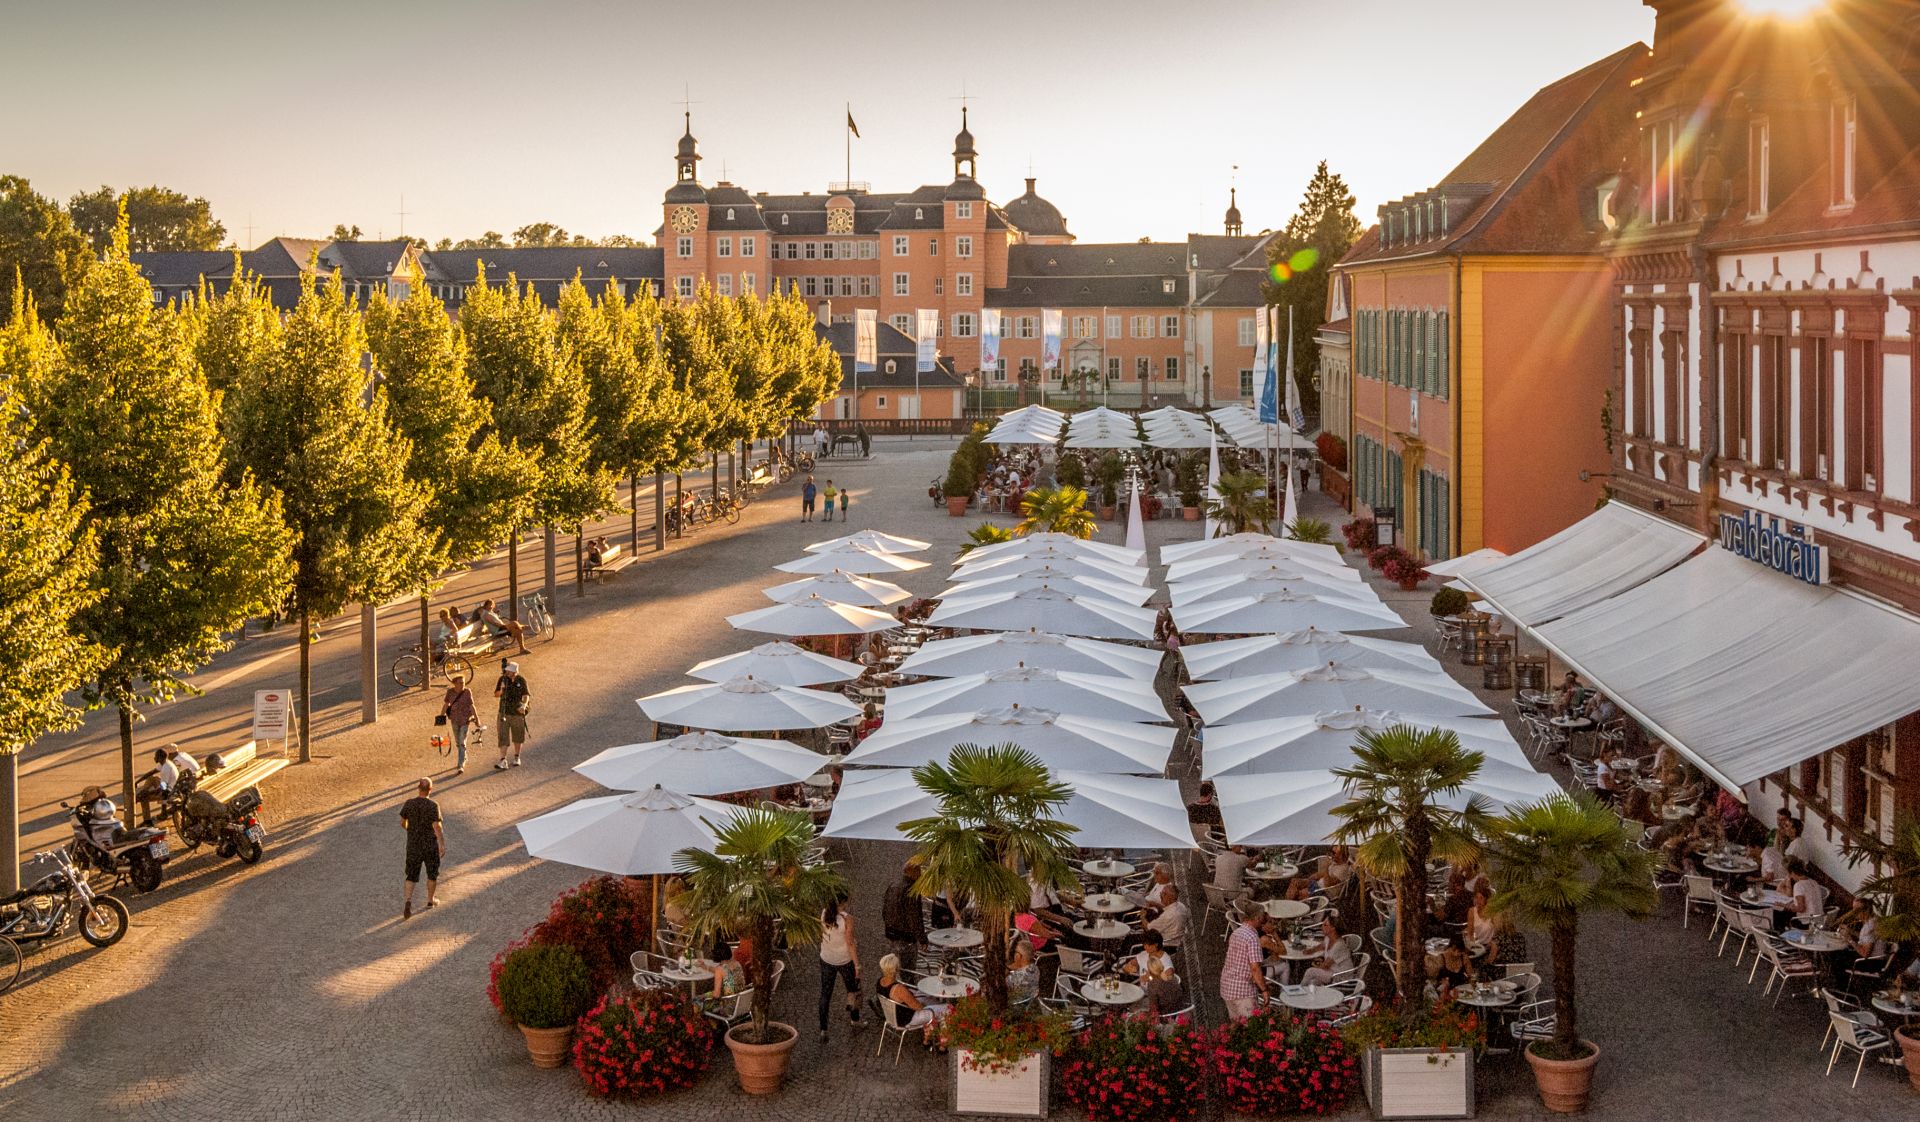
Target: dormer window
(1167, 286)
(919, 214)
(783, 220)
(1419, 225)
(1759, 159)
(729, 214)
(1843, 118)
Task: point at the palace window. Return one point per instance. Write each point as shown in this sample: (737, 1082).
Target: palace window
(939, 286)
(963, 284)
(1083, 327)
(1023, 327)
(1816, 406)
(828, 250)
(866, 286)
(900, 285)
(1113, 370)
(746, 284)
(1246, 383)
(809, 286)
(1113, 327)
(869, 250)
(999, 370)
(684, 246)
(1248, 329)
(811, 251)
(746, 245)
(900, 245)
(1142, 327)
(1169, 327)
(723, 247)
(1775, 391)
(793, 251)
(723, 284)
(903, 323)
(846, 286)
(963, 210)
(1862, 402)
(963, 245)
(933, 247)
(1173, 368)
(683, 287)
(963, 325)
(1142, 368)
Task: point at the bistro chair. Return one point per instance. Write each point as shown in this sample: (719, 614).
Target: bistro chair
(1860, 1038)
(1870, 972)
(1534, 1020)
(648, 980)
(1785, 963)
(1842, 1005)
(889, 1023)
(730, 1011)
(1700, 895)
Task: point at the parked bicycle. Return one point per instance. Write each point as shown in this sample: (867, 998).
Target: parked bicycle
(410, 669)
(535, 616)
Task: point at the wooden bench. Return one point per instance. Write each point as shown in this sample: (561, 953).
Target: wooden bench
(244, 768)
(475, 638)
(612, 560)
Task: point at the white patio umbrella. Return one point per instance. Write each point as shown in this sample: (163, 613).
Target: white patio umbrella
(1303, 579)
(1048, 563)
(1248, 545)
(1422, 693)
(627, 835)
(1214, 568)
(1061, 691)
(1051, 539)
(840, 588)
(747, 705)
(1296, 807)
(851, 559)
(701, 763)
(874, 541)
(999, 650)
(782, 664)
(1023, 434)
(1119, 591)
(1299, 650)
(1274, 612)
(1111, 811)
(1046, 609)
(813, 614)
(1326, 740)
(1171, 413)
(1178, 436)
(1102, 438)
(1466, 564)
(1061, 740)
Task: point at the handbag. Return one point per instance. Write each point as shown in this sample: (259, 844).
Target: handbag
(439, 718)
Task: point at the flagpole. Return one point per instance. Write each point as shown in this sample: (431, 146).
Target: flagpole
(849, 139)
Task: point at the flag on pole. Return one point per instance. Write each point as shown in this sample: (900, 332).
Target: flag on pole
(1049, 338)
(1263, 367)
(989, 339)
(851, 127)
(926, 332)
(1213, 480)
(866, 341)
(1296, 416)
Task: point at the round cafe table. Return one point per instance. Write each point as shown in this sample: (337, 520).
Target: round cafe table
(1311, 997)
(1894, 1007)
(1302, 952)
(1107, 904)
(1101, 929)
(1730, 865)
(1285, 909)
(1485, 995)
(955, 938)
(1815, 942)
(1107, 869)
(1771, 898)
(692, 974)
(1109, 991)
(1279, 871)
(947, 987)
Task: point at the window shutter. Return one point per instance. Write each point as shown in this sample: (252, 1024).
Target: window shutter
(1446, 359)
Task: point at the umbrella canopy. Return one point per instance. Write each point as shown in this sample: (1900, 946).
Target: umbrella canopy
(1303, 579)
(747, 705)
(1299, 650)
(701, 763)
(1274, 612)
(1060, 691)
(1101, 437)
(840, 588)
(1296, 807)
(1023, 434)
(1060, 740)
(1047, 609)
(1111, 811)
(1119, 591)
(627, 835)
(1249, 545)
(1214, 568)
(1050, 539)
(1326, 740)
(851, 559)
(813, 614)
(1419, 693)
(781, 664)
(1171, 413)
(1466, 564)
(1047, 563)
(999, 650)
(1179, 436)
(873, 541)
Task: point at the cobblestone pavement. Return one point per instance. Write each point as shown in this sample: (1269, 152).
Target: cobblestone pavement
(292, 990)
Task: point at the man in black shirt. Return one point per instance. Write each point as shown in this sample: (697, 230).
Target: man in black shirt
(511, 689)
(420, 817)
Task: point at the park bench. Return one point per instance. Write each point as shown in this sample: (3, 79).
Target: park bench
(244, 768)
(475, 638)
(612, 560)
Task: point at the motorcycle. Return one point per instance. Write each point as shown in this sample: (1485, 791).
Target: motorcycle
(44, 908)
(937, 491)
(100, 844)
(231, 827)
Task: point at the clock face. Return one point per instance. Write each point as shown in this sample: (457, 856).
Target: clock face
(685, 219)
(840, 221)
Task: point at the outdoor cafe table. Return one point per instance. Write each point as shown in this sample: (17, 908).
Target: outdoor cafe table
(955, 938)
(1272, 871)
(1302, 952)
(1485, 995)
(1107, 903)
(1769, 897)
(1815, 942)
(947, 987)
(1311, 997)
(1894, 1006)
(1731, 865)
(1107, 869)
(1110, 991)
(1101, 929)
(692, 974)
(1285, 909)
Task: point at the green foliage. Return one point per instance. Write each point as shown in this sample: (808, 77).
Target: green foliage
(233, 331)
(159, 219)
(1059, 510)
(999, 1039)
(1326, 225)
(1241, 503)
(960, 475)
(544, 986)
(1606, 417)
(1895, 884)
(1440, 1025)
(1450, 602)
(996, 808)
(632, 408)
(1189, 478)
(1108, 471)
(986, 533)
(39, 248)
(758, 875)
(1314, 531)
(1071, 471)
(1553, 861)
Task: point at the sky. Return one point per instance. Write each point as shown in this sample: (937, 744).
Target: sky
(488, 115)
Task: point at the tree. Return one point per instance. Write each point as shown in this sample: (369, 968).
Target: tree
(1554, 860)
(1895, 882)
(1241, 503)
(986, 533)
(308, 426)
(489, 240)
(758, 876)
(538, 234)
(1057, 510)
(345, 233)
(186, 553)
(1398, 817)
(1298, 259)
(39, 248)
(621, 241)
(234, 331)
(996, 819)
(48, 557)
(159, 220)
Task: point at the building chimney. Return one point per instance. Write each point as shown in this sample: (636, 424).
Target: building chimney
(823, 313)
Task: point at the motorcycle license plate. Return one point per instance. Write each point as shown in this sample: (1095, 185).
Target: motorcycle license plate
(258, 835)
(158, 849)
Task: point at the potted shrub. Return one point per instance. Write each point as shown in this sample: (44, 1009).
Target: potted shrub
(1070, 472)
(1058, 510)
(1418, 1063)
(994, 817)
(1188, 481)
(604, 919)
(1133, 1069)
(958, 487)
(642, 1044)
(1275, 1063)
(1404, 569)
(1553, 860)
(1362, 535)
(758, 874)
(1241, 503)
(1449, 602)
(1107, 472)
(544, 989)
(1896, 887)
(1313, 531)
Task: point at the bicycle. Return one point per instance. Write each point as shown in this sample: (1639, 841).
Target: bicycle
(805, 461)
(534, 615)
(410, 670)
(726, 506)
(444, 741)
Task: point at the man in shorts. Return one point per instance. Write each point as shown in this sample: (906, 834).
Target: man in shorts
(808, 492)
(420, 818)
(511, 689)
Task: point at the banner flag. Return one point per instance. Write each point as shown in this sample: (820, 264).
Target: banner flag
(1296, 416)
(1049, 338)
(926, 331)
(866, 340)
(989, 339)
(1263, 367)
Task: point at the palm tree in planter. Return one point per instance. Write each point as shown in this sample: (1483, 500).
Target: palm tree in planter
(1552, 861)
(758, 877)
(986, 533)
(1241, 503)
(1058, 510)
(1895, 887)
(1405, 810)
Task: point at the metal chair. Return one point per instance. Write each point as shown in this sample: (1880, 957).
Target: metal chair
(1852, 1034)
(1534, 1020)
(889, 1023)
(1785, 962)
(730, 1011)
(1700, 894)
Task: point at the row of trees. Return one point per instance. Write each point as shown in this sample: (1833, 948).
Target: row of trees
(173, 471)
(43, 243)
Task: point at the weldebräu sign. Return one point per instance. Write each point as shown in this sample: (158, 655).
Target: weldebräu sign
(1759, 538)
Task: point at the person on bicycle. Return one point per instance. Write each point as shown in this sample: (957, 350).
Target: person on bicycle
(500, 625)
(458, 708)
(807, 493)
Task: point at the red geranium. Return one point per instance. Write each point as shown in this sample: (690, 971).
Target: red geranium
(642, 1044)
(1133, 1069)
(1275, 1063)
(604, 920)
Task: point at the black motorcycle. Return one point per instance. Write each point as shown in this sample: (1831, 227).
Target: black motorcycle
(231, 827)
(100, 844)
(45, 908)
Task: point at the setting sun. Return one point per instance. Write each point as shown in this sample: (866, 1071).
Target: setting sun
(1785, 9)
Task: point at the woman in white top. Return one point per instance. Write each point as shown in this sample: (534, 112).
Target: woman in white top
(838, 959)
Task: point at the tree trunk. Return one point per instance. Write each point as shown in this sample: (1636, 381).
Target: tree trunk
(679, 527)
(579, 564)
(426, 637)
(758, 972)
(714, 487)
(633, 511)
(9, 822)
(306, 694)
(1410, 930)
(369, 671)
(1566, 1033)
(513, 574)
(551, 574)
(660, 509)
(126, 759)
(993, 958)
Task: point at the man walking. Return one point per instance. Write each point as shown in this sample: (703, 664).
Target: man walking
(900, 915)
(807, 493)
(426, 844)
(820, 441)
(457, 707)
(511, 689)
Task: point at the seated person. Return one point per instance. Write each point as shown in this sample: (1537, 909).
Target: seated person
(1795, 843)
(1509, 945)
(1606, 781)
(670, 893)
(1568, 695)
(729, 976)
(908, 1010)
(1205, 808)
(500, 625)
(1153, 955)
(1040, 934)
(1480, 927)
(596, 553)
(444, 630)
(1450, 968)
(1320, 973)
(1335, 868)
(1454, 904)
(1230, 870)
(460, 618)
(1809, 900)
(1162, 995)
(1336, 951)
(1773, 865)
(1638, 807)
(1155, 895)
(1601, 709)
(1044, 901)
(869, 721)
(1023, 966)
(155, 785)
(1170, 922)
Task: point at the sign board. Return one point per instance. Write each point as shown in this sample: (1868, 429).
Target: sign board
(1760, 539)
(270, 714)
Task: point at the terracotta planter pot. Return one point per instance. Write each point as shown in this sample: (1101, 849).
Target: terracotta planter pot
(1910, 1047)
(957, 506)
(1107, 513)
(1410, 583)
(761, 1067)
(1564, 1084)
(1190, 513)
(548, 1047)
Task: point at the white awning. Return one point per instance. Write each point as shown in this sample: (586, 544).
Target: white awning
(1743, 670)
(1607, 552)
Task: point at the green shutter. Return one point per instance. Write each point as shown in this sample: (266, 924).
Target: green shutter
(1446, 359)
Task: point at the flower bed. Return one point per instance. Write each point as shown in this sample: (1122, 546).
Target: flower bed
(1130, 1069)
(604, 920)
(1000, 1041)
(642, 1044)
(1273, 1063)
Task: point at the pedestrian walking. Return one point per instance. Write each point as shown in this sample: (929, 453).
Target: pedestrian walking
(820, 445)
(512, 691)
(839, 959)
(866, 441)
(807, 493)
(426, 843)
(900, 916)
(829, 495)
(457, 708)
(846, 496)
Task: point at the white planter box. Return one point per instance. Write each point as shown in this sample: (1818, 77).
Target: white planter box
(1419, 1082)
(1021, 1090)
